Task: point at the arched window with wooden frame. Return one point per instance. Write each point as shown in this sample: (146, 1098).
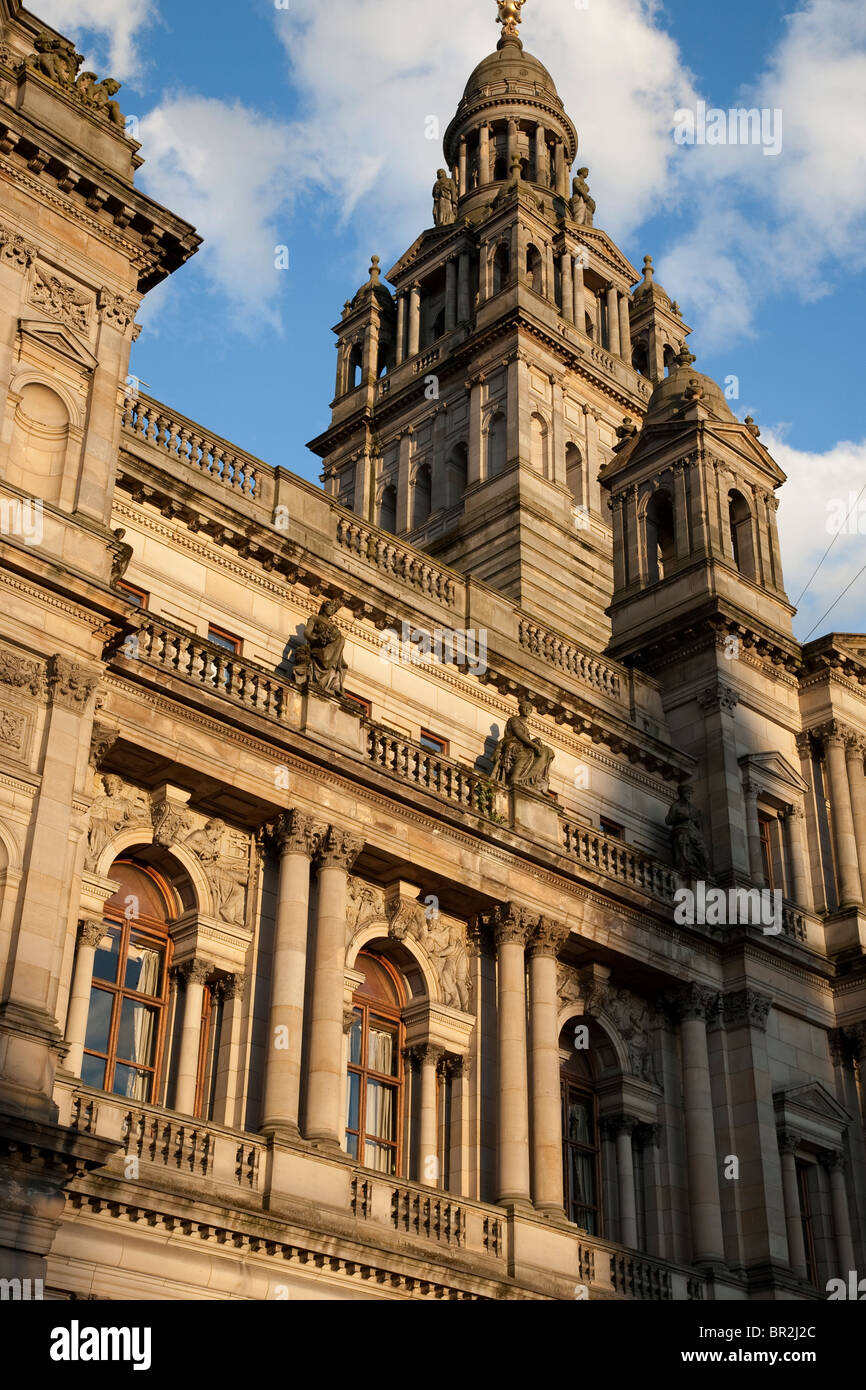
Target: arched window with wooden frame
(375, 1084)
(125, 1034)
(580, 1146)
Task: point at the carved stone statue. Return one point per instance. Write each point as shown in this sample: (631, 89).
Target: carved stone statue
(121, 557)
(582, 203)
(509, 14)
(446, 944)
(226, 885)
(102, 98)
(687, 839)
(56, 59)
(632, 1018)
(113, 807)
(520, 759)
(444, 200)
(319, 663)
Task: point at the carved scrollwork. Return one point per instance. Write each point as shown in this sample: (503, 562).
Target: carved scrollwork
(61, 300)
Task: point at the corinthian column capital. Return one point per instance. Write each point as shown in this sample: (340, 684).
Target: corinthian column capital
(512, 924)
(548, 938)
(296, 832)
(694, 1001)
(338, 848)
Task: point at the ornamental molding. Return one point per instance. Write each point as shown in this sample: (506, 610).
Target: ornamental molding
(338, 848)
(746, 1007)
(294, 832)
(22, 673)
(16, 249)
(61, 300)
(720, 697)
(70, 684)
(116, 311)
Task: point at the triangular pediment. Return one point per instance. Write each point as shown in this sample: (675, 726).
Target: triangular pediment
(53, 335)
(772, 770)
(812, 1098)
(595, 237)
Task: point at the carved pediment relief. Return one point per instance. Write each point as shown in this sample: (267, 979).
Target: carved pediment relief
(59, 340)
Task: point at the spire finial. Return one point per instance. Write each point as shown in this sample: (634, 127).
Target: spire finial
(374, 270)
(648, 268)
(509, 16)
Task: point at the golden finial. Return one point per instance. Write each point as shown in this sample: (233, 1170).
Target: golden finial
(509, 16)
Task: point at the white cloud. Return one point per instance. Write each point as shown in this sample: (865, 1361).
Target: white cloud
(116, 21)
(819, 488)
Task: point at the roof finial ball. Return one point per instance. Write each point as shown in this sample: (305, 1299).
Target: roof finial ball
(509, 18)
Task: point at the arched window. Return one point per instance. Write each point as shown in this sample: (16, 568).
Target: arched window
(421, 496)
(356, 361)
(496, 445)
(455, 475)
(742, 548)
(590, 327)
(374, 1095)
(538, 445)
(438, 325)
(669, 357)
(126, 1020)
(500, 169)
(501, 267)
(660, 540)
(574, 472)
(388, 509)
(640, 357)
(534, 267)
(580, 1146)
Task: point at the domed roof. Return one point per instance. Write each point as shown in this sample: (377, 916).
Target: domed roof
(509, 63)
(683, 387)
(373, 287)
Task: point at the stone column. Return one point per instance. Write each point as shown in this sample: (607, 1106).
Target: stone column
(612, 321)
(414, 319)
(547, 940)
(565, 264)
(857, 1036)
(834, 1163)
(559, 169)
(450, 294)
(651, 1139)
(428, 1058)
(460, 1069)
(461, 166)
(511, 145)
(579, 299)
(401, 327)
(295, 837)
(847, 865)
(624, 329)
(483, 154)
(753, 831)
(541, 166)
(195, 972)
(229, 1080)
(476, 464)
(90, 933)
(511, 927)
(795, 832)
(791, 1197)
(337, 852)
(340, 383)
(370, 363)
(854, 748)
(464, 306)
(623, 1126)
(694, 1005)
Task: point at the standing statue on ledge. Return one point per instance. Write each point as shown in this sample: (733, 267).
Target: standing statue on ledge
(444, 200)
(521, 760)
(582, 203)
(319, 663)
(687, 839)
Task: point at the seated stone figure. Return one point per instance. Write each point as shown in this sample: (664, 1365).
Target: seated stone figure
(319, 663)
(520, 759)
(687, 840)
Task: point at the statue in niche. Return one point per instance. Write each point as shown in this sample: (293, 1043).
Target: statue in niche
(582, 203)
(227, 887)
(444, 200)
(319, 663)
(632, 1018)
(687, 839)
(520, 759)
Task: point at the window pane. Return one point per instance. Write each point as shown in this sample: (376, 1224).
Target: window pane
(581, 1178)
(93, 1071)
(105, 958)
(131, 1083)
(98, 1020)
(143, 967)
(136, 1038)
(579, 1121)
(381, 1117)
(355, 1040)
(353, 1098)
(380, 1157)
(381, 1048)
(352, 1145)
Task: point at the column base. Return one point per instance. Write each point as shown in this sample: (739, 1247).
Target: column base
(284, 1131)
(517, 1205)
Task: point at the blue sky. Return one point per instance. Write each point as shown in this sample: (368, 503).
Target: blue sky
(305, 126)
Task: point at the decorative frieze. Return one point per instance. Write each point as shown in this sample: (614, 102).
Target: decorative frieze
(719, 696)
(16, 249)
(70, 685)
(226, 877)
(21, 673)
(61, 300)
(116, 311)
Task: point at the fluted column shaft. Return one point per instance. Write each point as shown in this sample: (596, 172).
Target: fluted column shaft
(90, 933)
(295, 837)
(511, 928)
(847, 864)
(546, 1103)
(195, 972)
(704, 1204)
(337, 852)
(428, 1058)
(793, 1218)
(801, 882)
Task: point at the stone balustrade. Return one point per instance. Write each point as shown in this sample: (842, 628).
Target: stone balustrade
(204, 454)
(395, 560)
(619, 861)
(567, 656)
(209, 666)
(433, 772)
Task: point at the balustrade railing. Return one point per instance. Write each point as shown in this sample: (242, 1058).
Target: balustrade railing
(184, 442)
(619, 861)
(431, 772)
(433, 1217)
(395, 560)
(567, 656)
(207, 665)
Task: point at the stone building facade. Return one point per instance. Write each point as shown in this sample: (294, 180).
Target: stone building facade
(357, 936)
